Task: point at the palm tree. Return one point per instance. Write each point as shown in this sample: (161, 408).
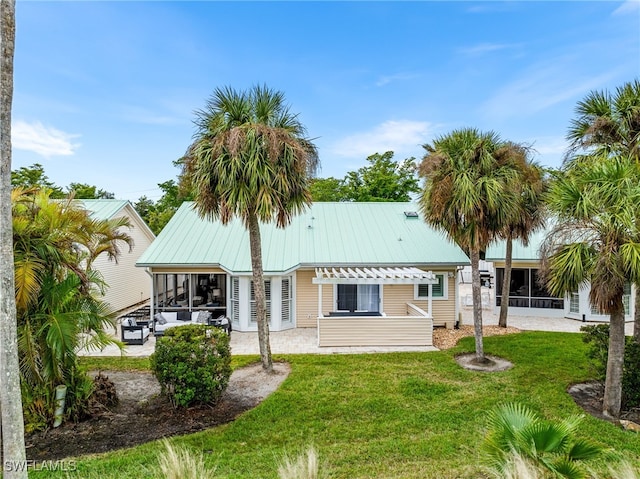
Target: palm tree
(250, 158)
(13, 449)
(610, 124)
(529, 216)
(517, 434)
(468, 194)
(597, 240)
(56, 294)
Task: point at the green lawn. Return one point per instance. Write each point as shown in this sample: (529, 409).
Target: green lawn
(400, 415)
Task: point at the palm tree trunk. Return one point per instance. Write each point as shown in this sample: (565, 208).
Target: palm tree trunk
(258, 288)
(477, 304)
(10, 398)
(636, 316)
(506, 284)
(613, 382)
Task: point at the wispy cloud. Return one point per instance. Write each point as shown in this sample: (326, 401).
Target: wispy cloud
(540, 88)
(147, 117)
(43, 140)
(483, 48)
(627, 8)
(385, 80)
(400, 136)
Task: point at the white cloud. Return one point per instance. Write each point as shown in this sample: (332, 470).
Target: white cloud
(43, 140)
(627, 8)
(399, 136)
(540, 88)
(483, 48)
(398, 76)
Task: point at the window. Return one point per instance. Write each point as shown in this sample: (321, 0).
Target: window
(526, 290)
(234, 300)
(574, 303)
(287, 299)
(267, 297)
(438, 290)
(358, 297)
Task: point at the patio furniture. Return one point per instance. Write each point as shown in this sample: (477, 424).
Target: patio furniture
(169, 319)
(133, 332)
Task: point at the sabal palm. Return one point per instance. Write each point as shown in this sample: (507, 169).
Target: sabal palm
(609, 124)
(468, 194)
(250, 158)
(529, 215)
(515, 432)
(597, 240)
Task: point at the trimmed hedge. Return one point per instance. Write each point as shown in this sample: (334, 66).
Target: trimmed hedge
(192, 364)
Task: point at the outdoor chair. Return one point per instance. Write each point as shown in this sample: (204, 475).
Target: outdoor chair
(134, 333)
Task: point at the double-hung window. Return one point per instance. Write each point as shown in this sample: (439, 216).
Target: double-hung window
(438, 290)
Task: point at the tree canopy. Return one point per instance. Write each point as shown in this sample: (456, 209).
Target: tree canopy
(382, 180)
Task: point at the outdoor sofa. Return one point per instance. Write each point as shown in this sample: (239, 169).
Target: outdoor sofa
(169, 319)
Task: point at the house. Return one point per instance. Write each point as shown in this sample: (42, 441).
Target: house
(364, 274)
(126, 284)
(527, 296)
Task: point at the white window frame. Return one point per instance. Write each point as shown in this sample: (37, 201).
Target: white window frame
(445, 289)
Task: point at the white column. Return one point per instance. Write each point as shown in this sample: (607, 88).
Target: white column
(429, 303)
(244, 309)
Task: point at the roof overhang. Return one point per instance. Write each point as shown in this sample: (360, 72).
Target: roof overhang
(374, 276)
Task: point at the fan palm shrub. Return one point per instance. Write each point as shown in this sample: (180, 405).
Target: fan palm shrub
(519, 440)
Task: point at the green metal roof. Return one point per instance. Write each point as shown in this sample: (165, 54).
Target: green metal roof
(496, 251)
(327, 234)
(103, 209)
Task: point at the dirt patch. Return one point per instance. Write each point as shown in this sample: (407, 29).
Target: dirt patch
(491, 364)
(448, 338)
(589, 396)
(143, 415)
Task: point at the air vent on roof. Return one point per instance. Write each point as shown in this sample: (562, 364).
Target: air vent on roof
(411, 214)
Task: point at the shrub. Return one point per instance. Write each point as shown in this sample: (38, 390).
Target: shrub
(180, 463)
(192, 364)
(597, 337)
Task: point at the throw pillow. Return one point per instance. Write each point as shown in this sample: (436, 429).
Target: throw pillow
(160, 319)
(203, 317)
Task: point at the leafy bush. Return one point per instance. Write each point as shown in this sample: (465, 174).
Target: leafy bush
(192, 364)
(597, 337)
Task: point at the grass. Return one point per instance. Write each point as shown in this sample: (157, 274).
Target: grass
(408, 415)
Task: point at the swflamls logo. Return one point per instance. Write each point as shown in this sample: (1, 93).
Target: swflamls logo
(31, 465)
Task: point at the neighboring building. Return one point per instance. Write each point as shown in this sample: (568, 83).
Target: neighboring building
(362, 273)
(527, 296)
(126, 284)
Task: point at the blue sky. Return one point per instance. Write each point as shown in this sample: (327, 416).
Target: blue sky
(105, 91)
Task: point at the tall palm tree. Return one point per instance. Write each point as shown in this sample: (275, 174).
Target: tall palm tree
(468, 194)
(597, 240)
(250, 158)
(609, 124)
(529, 216)
(13, 449)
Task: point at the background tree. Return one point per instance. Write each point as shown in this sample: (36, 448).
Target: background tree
(597, 240)
(529, 215)
(12, 424)
(469, 194)
(158, 214)
(328, 189)
(609, 125)
(250, 158)
(383, 180)
(89, 192)
(29, 177)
